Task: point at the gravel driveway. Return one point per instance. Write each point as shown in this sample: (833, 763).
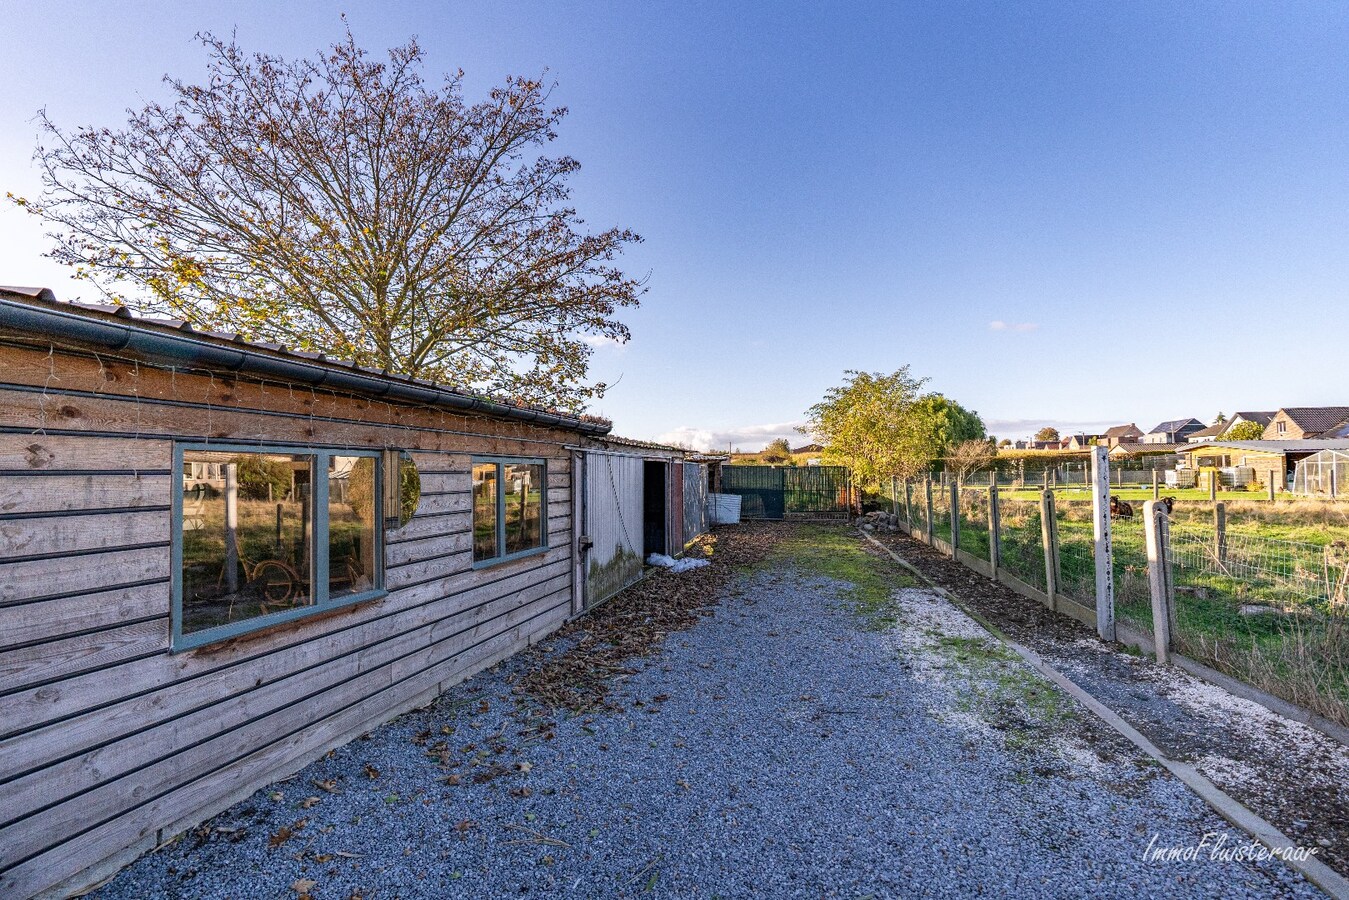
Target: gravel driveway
(780, 747)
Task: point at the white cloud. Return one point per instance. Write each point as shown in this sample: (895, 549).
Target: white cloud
(748, 438)
(999, 325)
(599, 341)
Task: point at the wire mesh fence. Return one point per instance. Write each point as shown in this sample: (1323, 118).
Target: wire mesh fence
(1077, 559)
(1020, 543)
(917, 507)
(941, 514)
(1269, 610)
(974, 521)
(1133, 602)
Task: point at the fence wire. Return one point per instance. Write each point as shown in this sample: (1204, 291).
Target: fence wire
(1077, 553)
(1020, 542)
(1133, 602)
(1255, 569)
(974, 521)
(918, 506)
(941, 514)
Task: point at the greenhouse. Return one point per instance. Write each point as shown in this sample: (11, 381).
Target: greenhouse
(1324, 472)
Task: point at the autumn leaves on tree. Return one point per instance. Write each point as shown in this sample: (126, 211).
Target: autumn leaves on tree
(341, 204)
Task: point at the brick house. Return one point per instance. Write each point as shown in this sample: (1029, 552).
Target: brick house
(1123, 434)
(1302, 422)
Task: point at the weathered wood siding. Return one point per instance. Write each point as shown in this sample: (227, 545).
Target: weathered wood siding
(109, 743)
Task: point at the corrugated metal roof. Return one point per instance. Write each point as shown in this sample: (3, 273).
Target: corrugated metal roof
(37, 311)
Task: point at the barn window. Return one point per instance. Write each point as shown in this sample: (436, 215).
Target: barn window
(509, 509)
(268, 535)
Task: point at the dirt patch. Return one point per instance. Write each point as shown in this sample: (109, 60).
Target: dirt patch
(635, 622)
(1291, 775)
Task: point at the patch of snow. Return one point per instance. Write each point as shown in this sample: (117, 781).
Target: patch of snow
(675, 565)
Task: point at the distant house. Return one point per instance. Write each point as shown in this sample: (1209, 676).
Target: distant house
(1301, 422)
(1210, 433)
(809, 448)
(1043, 445)
(1172, 432)
(1123, 434)
(1260, 418)
(1079, 441)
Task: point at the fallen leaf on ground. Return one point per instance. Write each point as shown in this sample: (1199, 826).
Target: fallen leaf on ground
(330, 785)
(370, 771)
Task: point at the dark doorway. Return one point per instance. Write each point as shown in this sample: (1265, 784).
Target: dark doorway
(653, 508)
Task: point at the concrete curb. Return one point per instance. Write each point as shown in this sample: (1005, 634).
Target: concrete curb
(1315, 871)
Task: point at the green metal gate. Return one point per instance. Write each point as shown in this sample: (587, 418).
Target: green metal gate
(789, 492)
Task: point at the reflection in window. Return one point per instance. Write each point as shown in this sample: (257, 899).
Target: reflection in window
(351, 525)
(508, 509)
(246, 548)
(267, 536)
(523, 487)
(484, 512)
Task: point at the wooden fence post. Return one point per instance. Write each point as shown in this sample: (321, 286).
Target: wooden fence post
(1105, 557)
(1156, 487)
(1271, 484)
(894, 496)
(1220, 534)
(955, 517)
(1213, 485)
(1157, 533)
(1050, 539)
(908, 503)
(927, 489)
(994, 524)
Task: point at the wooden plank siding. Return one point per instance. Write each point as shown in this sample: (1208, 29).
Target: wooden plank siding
(110, 742)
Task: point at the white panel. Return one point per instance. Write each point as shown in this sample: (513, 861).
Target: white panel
(613, 523)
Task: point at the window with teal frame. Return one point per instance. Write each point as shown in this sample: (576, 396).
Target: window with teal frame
(264, 535)
(510, 509)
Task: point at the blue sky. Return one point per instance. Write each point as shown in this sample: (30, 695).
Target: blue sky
(1068, 213)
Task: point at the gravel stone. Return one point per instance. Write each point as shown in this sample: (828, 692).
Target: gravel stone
(777, 748)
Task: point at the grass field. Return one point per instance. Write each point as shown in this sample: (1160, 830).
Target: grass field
(1268, 606)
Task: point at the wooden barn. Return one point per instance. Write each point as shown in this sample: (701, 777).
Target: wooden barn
(218, 560)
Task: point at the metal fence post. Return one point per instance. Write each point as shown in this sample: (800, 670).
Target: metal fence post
(1049, 537)
(927, 490)
(1158, 537)
(994, 523)
(1100, 527)
(955, 517)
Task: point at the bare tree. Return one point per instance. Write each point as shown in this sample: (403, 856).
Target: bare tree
(969, 457)
(341, 204)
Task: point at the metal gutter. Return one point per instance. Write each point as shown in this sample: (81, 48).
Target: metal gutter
(35, 311)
